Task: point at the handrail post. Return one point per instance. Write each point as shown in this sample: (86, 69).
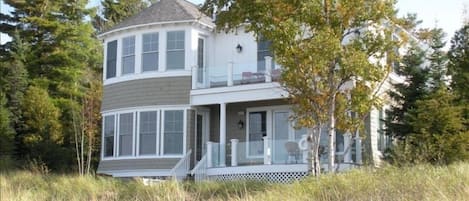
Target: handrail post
(230, 74)
(268, 69)
(209, 154)
(234, 152)
(267, 151)
(194, 76)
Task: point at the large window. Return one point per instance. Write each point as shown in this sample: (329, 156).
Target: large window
(384, 141)
(150, 52)
(148, 133)
(109, 131)
(263, 50)
(126, 134)
(257, 130)
(128, 55)
(175, 50)
(173, 133)
(111, 59)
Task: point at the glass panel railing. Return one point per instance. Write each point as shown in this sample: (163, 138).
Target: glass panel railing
(215, 154)
(247, 73)
(245, 152)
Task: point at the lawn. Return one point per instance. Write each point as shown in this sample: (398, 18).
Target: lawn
(390, 183)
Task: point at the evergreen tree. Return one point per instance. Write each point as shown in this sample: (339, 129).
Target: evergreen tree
(438, 59)
(6, 135)
(114, 11)
(458, 67)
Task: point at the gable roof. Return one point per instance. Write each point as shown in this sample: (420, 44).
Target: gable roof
(165, 11)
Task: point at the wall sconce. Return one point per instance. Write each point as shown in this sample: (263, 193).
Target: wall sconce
(240, 124)
(239, 48)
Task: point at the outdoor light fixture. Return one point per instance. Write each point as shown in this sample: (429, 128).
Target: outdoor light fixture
(239, 48)
(240, 124)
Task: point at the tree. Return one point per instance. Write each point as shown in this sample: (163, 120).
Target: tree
(458, 67)
(324, 48)
(116, 11)
(6, 134)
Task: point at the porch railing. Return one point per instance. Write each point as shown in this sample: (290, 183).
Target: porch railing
(199, 172)
(268, 151)
(233, 74)
(181, 168)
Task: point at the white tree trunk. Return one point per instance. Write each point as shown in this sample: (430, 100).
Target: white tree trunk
(314, 136)
(331, 132)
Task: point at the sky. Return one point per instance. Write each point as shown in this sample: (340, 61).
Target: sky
(446, 14)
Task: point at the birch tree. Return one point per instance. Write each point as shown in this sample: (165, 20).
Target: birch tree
(334, 56)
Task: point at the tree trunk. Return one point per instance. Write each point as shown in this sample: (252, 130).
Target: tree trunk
(331, 132)
(314, 136)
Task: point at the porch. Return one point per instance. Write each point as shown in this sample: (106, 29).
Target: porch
(257, 140)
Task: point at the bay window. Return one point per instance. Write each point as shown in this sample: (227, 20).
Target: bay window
(150, 57)
(148, 133)
(173, 132)
(109, 132)
(126, 134)
(111, 59)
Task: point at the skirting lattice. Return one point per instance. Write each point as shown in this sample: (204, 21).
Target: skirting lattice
(274, 177)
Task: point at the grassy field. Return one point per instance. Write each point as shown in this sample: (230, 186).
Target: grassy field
(390, 183)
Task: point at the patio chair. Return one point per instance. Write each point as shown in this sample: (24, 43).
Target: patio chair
(293, 150)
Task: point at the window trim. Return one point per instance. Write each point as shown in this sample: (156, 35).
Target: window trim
(176, 50)
(157, 140)
(103, 156)
(107, 59)
(123, 55)
(118, 134)
(157, 51)
(184, 132)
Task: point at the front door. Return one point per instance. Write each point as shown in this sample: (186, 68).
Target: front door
(202, 130)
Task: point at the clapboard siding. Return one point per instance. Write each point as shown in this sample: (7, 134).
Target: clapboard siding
(137, 164)
(145, 92)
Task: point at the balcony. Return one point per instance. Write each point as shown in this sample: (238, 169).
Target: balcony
(234, 74)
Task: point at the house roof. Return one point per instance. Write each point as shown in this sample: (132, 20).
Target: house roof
(165, 11)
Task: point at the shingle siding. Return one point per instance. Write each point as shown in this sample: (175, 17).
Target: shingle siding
(136, 164)
(147, 92)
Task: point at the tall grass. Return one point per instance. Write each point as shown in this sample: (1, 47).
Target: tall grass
(389, 183)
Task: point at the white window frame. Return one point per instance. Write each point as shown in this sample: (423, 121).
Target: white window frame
(157, 51)
(133, 135)
(124, 55)
(174, 50)
(157, 142)
(103, 137)
(184, 133)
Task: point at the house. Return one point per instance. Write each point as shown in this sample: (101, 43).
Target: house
(180, 98)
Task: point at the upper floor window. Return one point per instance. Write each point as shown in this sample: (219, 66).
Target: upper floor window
(175, 50)
(150, 55)
(111, 59)
(128, 55)
(263, 50)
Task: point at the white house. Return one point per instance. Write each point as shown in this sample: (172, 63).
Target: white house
(182, 99)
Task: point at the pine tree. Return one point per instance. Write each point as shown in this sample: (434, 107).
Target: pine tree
(116, 11)
(6, 135)
(458, 67)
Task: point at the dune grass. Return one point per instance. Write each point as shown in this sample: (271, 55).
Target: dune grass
(390, 183)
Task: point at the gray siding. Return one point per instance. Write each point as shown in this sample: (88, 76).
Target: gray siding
(190, 141)
(136, 164)
(147, 92)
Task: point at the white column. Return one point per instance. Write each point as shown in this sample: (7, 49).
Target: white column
(347, 147)
(267, 151)
(234, 152)
(194, 77)
(209, 154)
(222, 134)
(229, 73)
(268, 69)
(358, 149)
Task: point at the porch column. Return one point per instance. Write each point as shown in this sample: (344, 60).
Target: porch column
(267, 151)
(209, 154)
(222, 134)
(229, 73)
(268, 69)
(234, 152)
(194, 77)
(347, 147)
(358, 148)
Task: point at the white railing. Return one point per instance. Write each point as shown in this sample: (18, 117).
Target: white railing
(200, 170)
(233, 73)
(181, 169)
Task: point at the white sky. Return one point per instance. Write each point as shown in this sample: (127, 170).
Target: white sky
(447, 14)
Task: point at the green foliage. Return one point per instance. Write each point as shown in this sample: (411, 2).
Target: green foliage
(389, 183)
(117, 11)
(6, 135)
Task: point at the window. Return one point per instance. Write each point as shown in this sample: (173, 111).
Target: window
(173, 133)
(111, 59)
(200, 60)
(257, 130)
(263, 50)
(384, 141)
(150, 52)
(175, 50)
(128, 55)
(108, 144)
(148, 122)
(126, 134)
